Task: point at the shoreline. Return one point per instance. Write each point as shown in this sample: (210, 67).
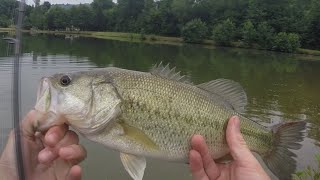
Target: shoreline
(151, 39)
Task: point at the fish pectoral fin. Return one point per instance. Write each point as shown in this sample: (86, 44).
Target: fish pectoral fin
(224, 159)
(229, 91)
(134, 165)
(138, 136)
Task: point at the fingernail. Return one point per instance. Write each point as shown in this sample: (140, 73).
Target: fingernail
(45, 156)
(236, 122)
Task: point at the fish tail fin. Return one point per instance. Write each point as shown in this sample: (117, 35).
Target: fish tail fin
(280, 160)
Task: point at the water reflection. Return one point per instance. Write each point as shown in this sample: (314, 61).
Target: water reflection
(280, 87)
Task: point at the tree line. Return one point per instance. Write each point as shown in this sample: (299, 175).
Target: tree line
(282, 25)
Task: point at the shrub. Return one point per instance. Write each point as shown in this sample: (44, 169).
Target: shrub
(248, 33)
(286, 42)
(224, 33)
(195, 31)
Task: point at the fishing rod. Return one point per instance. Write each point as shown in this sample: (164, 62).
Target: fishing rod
(16, 92)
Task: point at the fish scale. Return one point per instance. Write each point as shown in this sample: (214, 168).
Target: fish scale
(183, 112)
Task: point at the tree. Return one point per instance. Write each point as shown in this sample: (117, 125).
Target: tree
(81, 17)
(100, 7)
(7, 12)
(169, 21)
(37, 19)
(265, 35)
(259, 21)
(249, 33)
(312, 34)
(36, 3)
(224, 33)
(102, 4)
(182, 9)
(4, 21)
(195, 31)
(57, 18)
(46, 6)
(127, 15)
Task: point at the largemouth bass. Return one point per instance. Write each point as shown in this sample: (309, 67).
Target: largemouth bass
(155, 114)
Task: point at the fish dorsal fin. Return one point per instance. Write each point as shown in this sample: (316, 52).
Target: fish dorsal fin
(134, 165)
(166, 72)
(229, 91)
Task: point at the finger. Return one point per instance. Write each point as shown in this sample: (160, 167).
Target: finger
(196, 166)
(73, 153)
(46, 156)
(55, 134)
(27, 125)
(198, 143)
(70, 138)
(74, 173)
(238, 147)
(49, 154)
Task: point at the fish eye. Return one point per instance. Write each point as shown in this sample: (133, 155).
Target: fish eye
(65, 80)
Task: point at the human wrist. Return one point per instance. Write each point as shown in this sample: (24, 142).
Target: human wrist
(7, 171)
(7, 160)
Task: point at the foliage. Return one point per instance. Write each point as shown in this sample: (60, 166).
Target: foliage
(81, 17)
(57, 18)
(249, 33)
(252, 22)
(265, 34)
(7, 9)
(312, 33)
(286, 42)
(4, 21)
(195, 31)
(309, 173)
(224, 33)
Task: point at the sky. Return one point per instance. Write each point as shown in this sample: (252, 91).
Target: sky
(30, 2)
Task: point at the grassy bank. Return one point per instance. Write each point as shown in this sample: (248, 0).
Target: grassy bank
(6, 29)
(308, 51)
(137, 37)
(133, 37)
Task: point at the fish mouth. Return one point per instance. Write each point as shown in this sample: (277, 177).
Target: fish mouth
(46, 106)
(43, 96)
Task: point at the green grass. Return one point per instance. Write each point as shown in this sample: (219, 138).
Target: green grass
(135, 37)
(6, 29)
(309, 52)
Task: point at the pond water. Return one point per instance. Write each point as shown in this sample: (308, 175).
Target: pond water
(279, 87)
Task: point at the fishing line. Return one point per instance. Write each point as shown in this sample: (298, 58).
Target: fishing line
(16, 93)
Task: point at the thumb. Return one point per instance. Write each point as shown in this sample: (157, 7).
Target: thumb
(28, 124)
(238, 147)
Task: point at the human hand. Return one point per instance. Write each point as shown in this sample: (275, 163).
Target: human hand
(53, 154)
(244, 166)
